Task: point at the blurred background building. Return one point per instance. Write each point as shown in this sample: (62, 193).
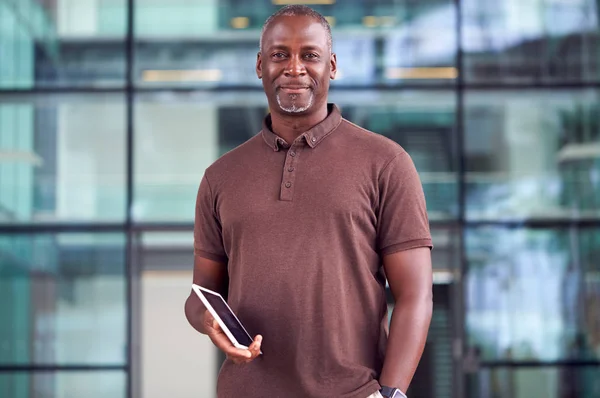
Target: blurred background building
(110, 110)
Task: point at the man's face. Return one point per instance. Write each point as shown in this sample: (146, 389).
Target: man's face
(296, 64)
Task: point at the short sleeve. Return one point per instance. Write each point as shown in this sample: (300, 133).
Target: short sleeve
(402, 221)
(208, 238)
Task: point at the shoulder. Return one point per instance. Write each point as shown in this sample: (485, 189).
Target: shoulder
(371, 143)
(231, 160)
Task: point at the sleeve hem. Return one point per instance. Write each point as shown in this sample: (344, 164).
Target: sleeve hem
(411, 244)
(210, 256)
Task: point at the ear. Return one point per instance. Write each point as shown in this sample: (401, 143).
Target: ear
(333, 66)
(259, 65)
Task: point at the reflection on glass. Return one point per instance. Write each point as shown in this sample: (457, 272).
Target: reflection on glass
(533, 294)
(176, 139)
(385, 14)
(175, 143)
(62, 158)
(94, 384)
(571, 382)
(63, 299)
(64, 43)
(531, 41)
(445, 258)
(532, 154)
(426, 132)
(209, 44)
(423, 48)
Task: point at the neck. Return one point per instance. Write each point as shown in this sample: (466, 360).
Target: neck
(290, 127)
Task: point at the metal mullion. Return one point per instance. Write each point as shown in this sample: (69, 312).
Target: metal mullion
(188, 226)
(129, 263)
(257, 89)
(61, 227)
(459, 305)
(535, 223)
(61, 368)
(539, 364)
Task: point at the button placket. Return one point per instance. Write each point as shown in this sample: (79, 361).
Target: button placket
(289, 173)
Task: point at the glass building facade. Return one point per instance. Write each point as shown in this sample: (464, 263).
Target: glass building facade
(110, 110)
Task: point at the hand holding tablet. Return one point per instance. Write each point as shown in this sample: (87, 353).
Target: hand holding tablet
(224, 328)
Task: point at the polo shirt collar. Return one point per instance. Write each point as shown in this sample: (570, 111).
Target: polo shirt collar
(313, 136)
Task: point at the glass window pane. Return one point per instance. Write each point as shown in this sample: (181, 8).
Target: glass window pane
(62, 158)
(531, 41)
(446, 256)
(572, 382)
(434, 375)
(62, 43)
(175, 141)
(89, 384)
(214, 43)
(63, 299)
(177, 137)
(533, 294)
(532, 154)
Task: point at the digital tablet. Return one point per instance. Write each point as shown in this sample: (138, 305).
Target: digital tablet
(230, 324)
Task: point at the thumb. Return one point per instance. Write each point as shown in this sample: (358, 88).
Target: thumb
(215, 325)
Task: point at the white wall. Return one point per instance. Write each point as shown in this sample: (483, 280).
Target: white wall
(177, 361)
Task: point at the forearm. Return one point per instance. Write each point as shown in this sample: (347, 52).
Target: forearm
(408, 332)
(194, 312)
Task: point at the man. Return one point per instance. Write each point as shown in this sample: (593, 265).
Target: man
(296, 227)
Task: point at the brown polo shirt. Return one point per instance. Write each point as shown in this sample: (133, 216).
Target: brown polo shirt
(302, 228)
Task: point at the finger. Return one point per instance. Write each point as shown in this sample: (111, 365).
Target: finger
(223, 343)
(220, 340)
(256, 342)
(237, 353)
(255, 346)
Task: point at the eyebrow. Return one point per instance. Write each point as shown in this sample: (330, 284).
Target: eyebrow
(304, 48)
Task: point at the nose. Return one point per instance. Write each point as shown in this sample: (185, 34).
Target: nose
(295, 67)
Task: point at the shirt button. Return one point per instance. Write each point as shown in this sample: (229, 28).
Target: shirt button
(290, 169)
(292, 154)
(288, 184)
(313, 139)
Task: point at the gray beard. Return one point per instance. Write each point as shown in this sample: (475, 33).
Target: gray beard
(295, 108)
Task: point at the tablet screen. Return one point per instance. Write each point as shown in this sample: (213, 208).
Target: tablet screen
(228, 318)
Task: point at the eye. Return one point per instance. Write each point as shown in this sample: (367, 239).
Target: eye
(311, 55)
(279, 54)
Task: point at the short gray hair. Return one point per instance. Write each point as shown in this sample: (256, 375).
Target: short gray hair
(296, 10)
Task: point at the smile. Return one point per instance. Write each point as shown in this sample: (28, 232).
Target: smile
(294, 89)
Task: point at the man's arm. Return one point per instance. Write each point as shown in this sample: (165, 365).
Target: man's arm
(409, 275)
(211, 275)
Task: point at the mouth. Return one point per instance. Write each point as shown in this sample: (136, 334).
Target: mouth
(294, 89)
